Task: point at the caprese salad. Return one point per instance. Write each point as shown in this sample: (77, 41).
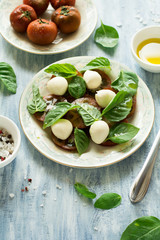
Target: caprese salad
(85, 105)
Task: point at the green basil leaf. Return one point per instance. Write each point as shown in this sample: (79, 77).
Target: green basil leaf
(89, 113)
(37, 104)
(57, 112)
(65, 70)
(81, 140)
(122, 133)
(77, 87)
(106, 36)
(82, 189)
(8, 77)
(98, 63)
(119, 107)
(121, 111)
(144, 228)
(127, 81)
(108, 201)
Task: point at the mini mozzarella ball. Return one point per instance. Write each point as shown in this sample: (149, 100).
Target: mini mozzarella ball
(62, 129)
(99, 131)
(57, 85)
(104, 97)
(93, 79)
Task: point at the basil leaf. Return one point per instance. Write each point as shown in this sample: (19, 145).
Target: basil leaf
(127, 81)
(146, 228)
(97, 63)
(122, 133)
(37, 104)
(119, 107)
(82, 189)
(57, 112)
(108, 201)
(65, 70)
(89, 113)
(106, 36)
(77, 87)
(81, 140)
(8, 77)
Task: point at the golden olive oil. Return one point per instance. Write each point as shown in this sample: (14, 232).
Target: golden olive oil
(151, 59)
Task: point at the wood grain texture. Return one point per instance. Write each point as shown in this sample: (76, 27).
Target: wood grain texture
(65, 215)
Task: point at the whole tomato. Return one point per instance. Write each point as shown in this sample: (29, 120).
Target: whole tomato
(21, 16)
(67, 19)
(39, 6)
(42, 31)
(58, 3)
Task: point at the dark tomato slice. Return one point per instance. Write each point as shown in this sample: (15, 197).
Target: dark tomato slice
(68, 144)
(40, 116)
(73, 115)
(108, 143)
(51, 100)
(106, 81)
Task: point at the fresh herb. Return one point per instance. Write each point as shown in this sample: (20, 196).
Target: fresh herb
(57, 112)
(100, 63)
(106, 36)
(37, 104)
(81, 140)
(108, 201)
(65, 70)
(122, 133)
(8, 77)
(119, 107)
(82, 189)
(127, 81)
(89, 113)
(77, 87)
(147, 228)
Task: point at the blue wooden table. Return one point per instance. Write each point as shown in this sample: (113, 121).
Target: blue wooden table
(52, 209)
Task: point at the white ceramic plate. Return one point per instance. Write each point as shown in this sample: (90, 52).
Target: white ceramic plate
(97, 156)
(62, 43)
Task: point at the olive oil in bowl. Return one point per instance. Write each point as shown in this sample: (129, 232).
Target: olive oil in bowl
(149, 51)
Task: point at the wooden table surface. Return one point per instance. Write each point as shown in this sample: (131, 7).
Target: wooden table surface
(61, 214)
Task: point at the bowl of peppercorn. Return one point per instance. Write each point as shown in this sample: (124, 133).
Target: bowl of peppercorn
(10, 140)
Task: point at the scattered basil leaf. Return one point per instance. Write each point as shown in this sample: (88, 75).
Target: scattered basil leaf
(108, 201)
(77, 87)
(65, 70)
(37, 104)
(89, 113)
(127, 81)
(57, 112)
(8, 77)
(81, 140)
(106, 36)
(119, 107)
(82, 189)
(100, 63)
(146, 228)
(122, 133)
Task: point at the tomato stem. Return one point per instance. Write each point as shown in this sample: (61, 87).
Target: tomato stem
(41, 21)
(26, 14)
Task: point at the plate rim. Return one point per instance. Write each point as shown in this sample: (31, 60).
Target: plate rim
(77, 166)
(60, 51)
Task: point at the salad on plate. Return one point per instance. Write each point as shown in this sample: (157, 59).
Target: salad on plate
(86, 105)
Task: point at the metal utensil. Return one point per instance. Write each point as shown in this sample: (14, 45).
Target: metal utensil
(141, 183)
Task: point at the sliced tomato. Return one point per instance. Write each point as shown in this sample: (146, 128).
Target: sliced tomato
(73, 115)
(50, 101)
(68, 144)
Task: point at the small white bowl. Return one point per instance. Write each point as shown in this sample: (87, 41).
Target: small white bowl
(12, 129)
(140, 36)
